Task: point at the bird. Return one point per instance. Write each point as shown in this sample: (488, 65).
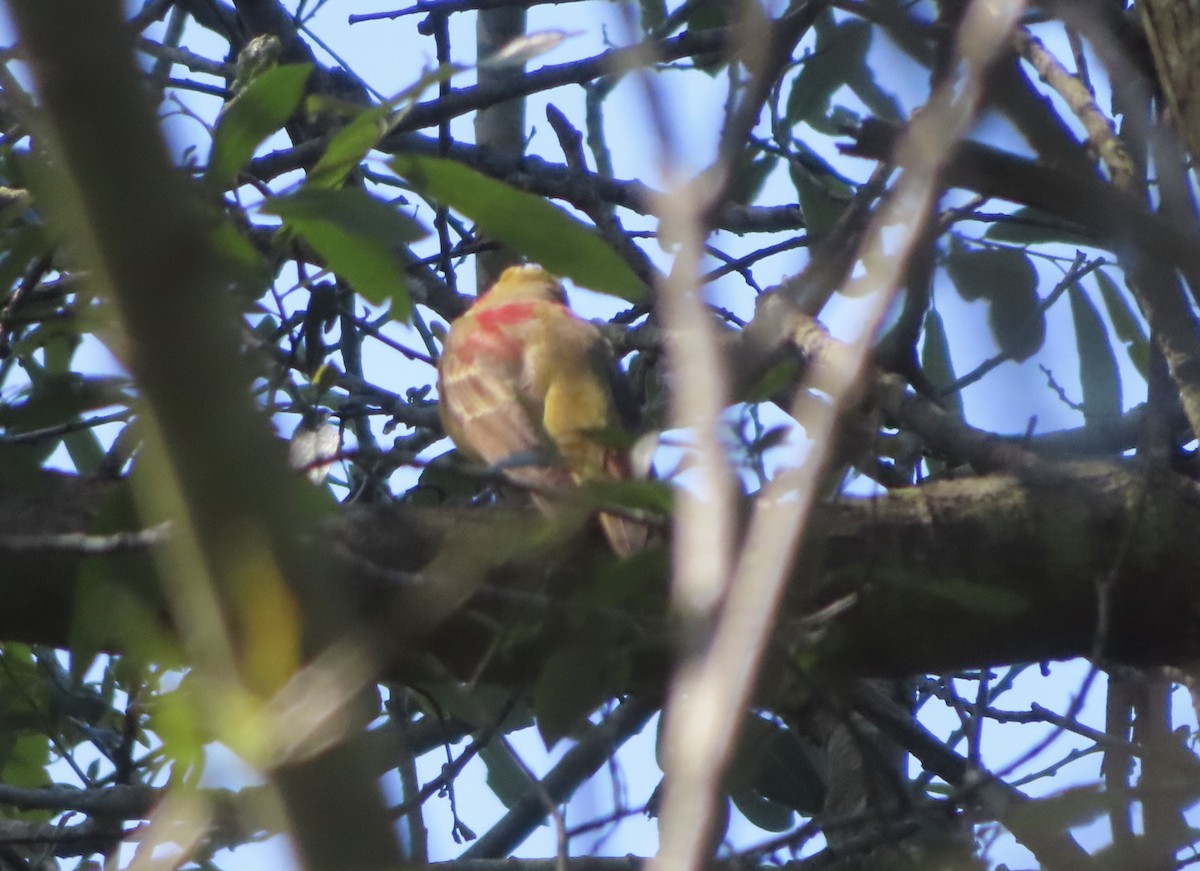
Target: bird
(528, 387)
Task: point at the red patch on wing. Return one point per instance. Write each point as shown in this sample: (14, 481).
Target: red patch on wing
(505, 315)
(493, 335)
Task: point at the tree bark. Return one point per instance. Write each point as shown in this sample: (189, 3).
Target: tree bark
(1077, 559)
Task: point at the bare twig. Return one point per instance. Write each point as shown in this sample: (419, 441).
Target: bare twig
(714, 691)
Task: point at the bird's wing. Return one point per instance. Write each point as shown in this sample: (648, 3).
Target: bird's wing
(487, 409)
(582, 417)
(571, 361)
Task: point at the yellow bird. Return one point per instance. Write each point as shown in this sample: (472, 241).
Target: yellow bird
(525, 385)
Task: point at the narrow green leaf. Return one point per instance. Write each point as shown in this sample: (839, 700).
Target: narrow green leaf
(747, 182)
(862, 79)
(652, 13)
(175, 718)
(987, 273)
(1017, 323)
(250, 273)
(767, 815)
(643, 494)
(1027, 226)
(527, 223)
(118, 595)
(26, 767)
(85, 450)
(708, 14)
(573, 683)
(349, 147)
(261, 109)
(1099, 376)
(354, 141)
(1006, 278)
(505, 777)
(821, 206)
(823, 192)
(773, 380)
(60, 398)
(1126, 323)
(838, 51)
(23, 244)
(444, 482)
(357, 235)
(936, 361)
(786, 773)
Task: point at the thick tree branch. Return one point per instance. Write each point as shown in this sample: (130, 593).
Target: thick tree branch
(1009, 568)
(1115, 217)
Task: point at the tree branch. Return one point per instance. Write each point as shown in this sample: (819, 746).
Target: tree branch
(1007, 565)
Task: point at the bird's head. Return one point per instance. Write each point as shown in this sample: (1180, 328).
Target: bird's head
(528, 283)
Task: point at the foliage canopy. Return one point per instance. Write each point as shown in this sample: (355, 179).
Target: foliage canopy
(216, 232)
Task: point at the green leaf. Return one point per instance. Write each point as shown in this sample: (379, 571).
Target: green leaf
(1017, 323)
(24, 766)
(505, 777)
(824, 193)
(773, 380)
(250, 272)
(357, 235)
(118, 596)
(1126, 323)
(778, 766)
(862, 80)
(986, 273)
(767, 815)
(1027, 226)
(444, 481)
(708, 14)
(644, 494)
(1099, 375)
(820, 206)
(936, 362)
(652, 13)
(350, 147)
(61, 398)
(481, 704)
(84, 449)
(261, 109)
(82, 445)
(23, 694)
(702, 15)
(747, 182)
(573, 683)
(176, 718)
(27, 762)
(838, 50)
(354, 141)
(526, 223)
(22, 245)
(1006, 278)
(632, 581)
